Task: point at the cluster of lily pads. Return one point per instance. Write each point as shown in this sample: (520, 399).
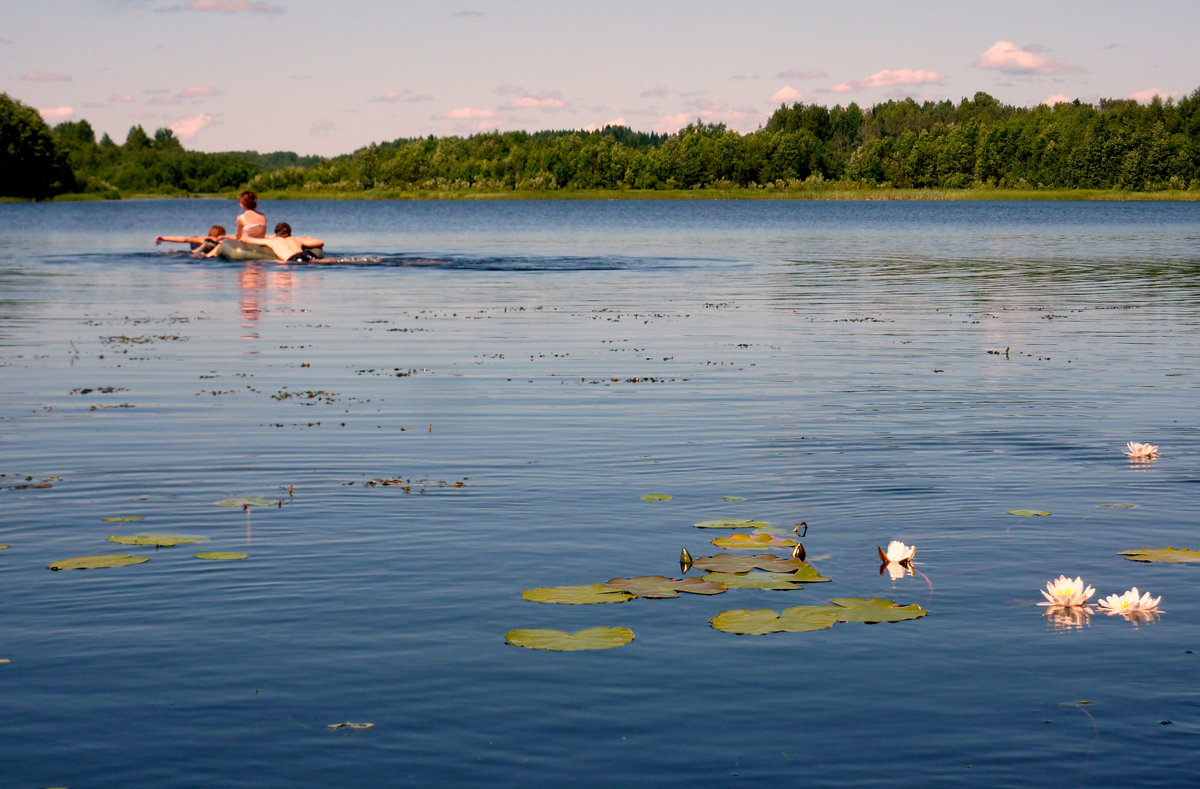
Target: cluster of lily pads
(96, 561)
(724, 571)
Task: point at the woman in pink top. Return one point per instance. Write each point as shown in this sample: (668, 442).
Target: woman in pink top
(250, 222)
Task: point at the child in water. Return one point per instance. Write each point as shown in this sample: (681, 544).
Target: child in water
(250, 223)
(201, 245)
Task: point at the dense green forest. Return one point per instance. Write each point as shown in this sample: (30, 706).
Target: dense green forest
(979, 142)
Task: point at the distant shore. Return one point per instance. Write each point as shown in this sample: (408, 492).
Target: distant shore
(826, 191)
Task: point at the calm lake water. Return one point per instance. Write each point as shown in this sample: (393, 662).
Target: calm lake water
(881, 371)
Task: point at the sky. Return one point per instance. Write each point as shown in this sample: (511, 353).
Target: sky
(318, 77)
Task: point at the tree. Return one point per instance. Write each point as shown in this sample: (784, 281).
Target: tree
(30, 163)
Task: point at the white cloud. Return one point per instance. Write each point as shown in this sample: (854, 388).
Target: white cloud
(1145, 96)
(188, 128)
(890, 78)
(53, 114)
(1057, 98)
(464, 114)
(673, 123)
(391, 96)
(1007, 57)
(37, 76)
(788, 93)
(233, 6)
(536, 103)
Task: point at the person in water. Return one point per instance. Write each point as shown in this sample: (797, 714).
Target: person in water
(250, 223)
(286, 246)
(201, 245)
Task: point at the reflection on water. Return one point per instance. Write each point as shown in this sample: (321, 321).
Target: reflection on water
(871, 371)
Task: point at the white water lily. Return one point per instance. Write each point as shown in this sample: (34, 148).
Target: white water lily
(1066, 592)
(1138, 451)
(897, 553)
(1129, 602)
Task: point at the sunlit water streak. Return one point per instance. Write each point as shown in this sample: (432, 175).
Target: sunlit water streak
(879, 370)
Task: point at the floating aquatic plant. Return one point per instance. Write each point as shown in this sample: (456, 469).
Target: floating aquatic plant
(1168, 554)
(247, 501)
(1120, 505)
(124, 518)
(576, 595)
(732, 498)
(1129, 602)
(350, 725)
(658, 586)
(98, 560)
(1138, 451)
(807, 618)
(759, 580)
(1064, 592)
(1028, 513)
(221, 556)
(657, 497)
(753, 542)
(157, 540)
(728, 563)
(897, 553)
(731, 523)
(558, 641)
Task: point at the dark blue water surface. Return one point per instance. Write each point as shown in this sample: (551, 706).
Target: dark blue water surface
(882, 371)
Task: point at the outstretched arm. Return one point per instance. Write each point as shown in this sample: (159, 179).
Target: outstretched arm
(180, 239)
(309, 241)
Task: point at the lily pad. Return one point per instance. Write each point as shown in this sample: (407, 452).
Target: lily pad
(124, 518)
(804, 618)
(157, 540)
(1174, 555)
(247, 501)
(756, 580)
(99, 560)
(577, 595)
(731, 523)
(657, 586)
(221, 556)
(732, 498)
(4, 547)
(753, 542)
(1120, 505)
(857, 609)
(657, 497)
(728, 563)
(350, 725)
(744, 622)
(558, 641)
(1028, 513)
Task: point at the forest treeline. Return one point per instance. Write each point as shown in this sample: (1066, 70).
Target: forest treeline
(1115, 144)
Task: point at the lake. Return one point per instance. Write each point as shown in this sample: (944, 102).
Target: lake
(477, 404)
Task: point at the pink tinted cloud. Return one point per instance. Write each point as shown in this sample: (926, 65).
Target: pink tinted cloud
(233, 6)
(37, 76)
(196, 91)
(54, 114)
(788, 93)
(1145, 96)
(121, 98)
(1057, 98)
(890, 78)
(537, 103)
(464, 114)
(187, 129)
(1008, 57)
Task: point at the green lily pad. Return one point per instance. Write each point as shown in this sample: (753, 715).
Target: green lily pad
(857, 609)
(247, 501)
(576, 595)
(753, 542)
(1175, 555)
(124, 518)
(4, 547)
(804, 618)
(756, 580)
(657, 586)
(558, 641)
(1028, 513)
(744, 622)
(731, 523)
(100, 560)
(221, 556)
(157, 540)
(732, 498)
(1120, 505)
(657, 497)
(350, 725)
(728, 563)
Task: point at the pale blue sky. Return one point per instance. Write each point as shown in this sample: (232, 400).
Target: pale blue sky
(320, 77)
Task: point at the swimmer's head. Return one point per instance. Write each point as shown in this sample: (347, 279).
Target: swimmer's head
(283, 230)
(216, 231)
(248, 200)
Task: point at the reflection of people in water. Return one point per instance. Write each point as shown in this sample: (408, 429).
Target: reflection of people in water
(201, 245)
(250, 223)
(288, 247)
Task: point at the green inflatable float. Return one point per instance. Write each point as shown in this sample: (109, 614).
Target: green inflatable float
(236, 250)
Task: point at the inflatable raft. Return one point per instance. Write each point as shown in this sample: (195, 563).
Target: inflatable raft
(236, 250)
